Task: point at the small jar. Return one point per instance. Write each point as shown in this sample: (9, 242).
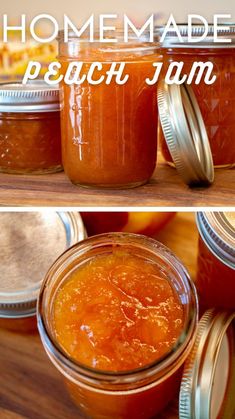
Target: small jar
(30, 242)
(216, 101)
(139, 393)
(216, 260)
(30, 139)
(109, 131)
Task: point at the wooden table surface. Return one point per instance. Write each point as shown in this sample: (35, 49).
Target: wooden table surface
(165, 189)
(31, 387)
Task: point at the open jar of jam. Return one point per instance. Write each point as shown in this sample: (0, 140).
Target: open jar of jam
(117, 315)
(216, 260)
(30, 242)
(30, 139)
(216, 101)
(109, 131)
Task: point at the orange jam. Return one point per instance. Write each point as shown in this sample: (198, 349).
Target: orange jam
(216, 101)
(117, 313)
(215, 280)
(30, 142)
(109, 131)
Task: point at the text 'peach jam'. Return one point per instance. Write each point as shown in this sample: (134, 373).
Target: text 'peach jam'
(117, 312)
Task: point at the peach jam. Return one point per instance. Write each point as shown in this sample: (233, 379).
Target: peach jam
(117, 313)
(109, 131)
(29, 128)
(216, 101)
(216, 260)
(112, 315)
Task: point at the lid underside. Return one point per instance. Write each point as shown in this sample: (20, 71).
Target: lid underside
(29, 243)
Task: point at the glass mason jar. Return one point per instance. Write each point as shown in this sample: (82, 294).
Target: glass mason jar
(109, 131)
(139, 393)
(216, 260)
(30, 140)
(216, 101)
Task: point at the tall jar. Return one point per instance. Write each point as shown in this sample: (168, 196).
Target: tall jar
(109, 131)
(139, 393)
(216, 101)
(216, 260)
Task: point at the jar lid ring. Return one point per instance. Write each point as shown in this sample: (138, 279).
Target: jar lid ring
(199, 375)
(185, 133)
(171, 40)
(35, 96)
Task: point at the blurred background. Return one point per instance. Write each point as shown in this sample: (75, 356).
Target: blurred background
(139, 9)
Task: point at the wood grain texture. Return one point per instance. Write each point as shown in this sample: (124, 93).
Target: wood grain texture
(31, 387)
(165, 189)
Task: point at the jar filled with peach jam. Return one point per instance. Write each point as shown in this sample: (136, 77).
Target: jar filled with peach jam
(30, 140)
(117, 315)
(216, 260)
(216, 101)
(109, 131)
(30, 242)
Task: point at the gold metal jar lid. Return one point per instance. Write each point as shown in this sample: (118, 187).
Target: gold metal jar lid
(208, 384)
(35, 96)
(217, 230)
(171, 40)
(29, 243)
(185, 133)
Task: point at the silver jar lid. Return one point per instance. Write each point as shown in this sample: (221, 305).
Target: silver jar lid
(35, 96)
(171, 40)
(29, 243)
(185, 133)
(217, 230)
(208, 383)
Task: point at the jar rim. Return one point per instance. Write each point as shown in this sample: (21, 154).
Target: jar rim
(219, 235)
(118, 34)
(133, 45)
(171, 40)
(129, 376)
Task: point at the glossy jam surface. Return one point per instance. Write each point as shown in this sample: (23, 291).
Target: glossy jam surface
(117, 312)
(109, 132)
(30, 142)
(216, 101)
(215, 280)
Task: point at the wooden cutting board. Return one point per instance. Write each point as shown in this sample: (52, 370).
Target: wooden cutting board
(165, 189)
(31, 387)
